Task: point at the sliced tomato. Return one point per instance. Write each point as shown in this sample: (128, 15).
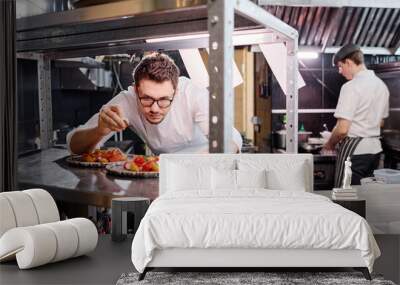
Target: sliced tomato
(139, 160)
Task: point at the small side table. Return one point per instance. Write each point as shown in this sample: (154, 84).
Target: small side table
(358, 206)
(127, 212)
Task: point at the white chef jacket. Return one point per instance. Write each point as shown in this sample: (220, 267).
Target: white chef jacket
(184, 129)
(364, 101)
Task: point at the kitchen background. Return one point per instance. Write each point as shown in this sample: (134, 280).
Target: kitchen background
(80, 88)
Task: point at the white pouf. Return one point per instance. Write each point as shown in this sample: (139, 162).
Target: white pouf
(7, 218)
(87, 235)
(23, 208)
(45, 205)
(32, 233)
(67, 240)
(37, 245)
(33, 246)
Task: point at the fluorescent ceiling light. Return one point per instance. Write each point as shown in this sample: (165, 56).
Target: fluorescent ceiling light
(177, 38)
(307, 55)
(255, 34)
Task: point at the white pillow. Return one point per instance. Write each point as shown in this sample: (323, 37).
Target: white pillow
(223, 179)
(282, 174)
(251, 178)
(187, 177)
(291, 179)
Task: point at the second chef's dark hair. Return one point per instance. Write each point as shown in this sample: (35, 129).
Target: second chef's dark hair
(349, 51)
(158, 67)
(357, 57)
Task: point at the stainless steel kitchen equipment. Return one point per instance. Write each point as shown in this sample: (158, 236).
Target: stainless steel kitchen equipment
(279, 138)
(324, 172)
(391, 148)
(310, 148)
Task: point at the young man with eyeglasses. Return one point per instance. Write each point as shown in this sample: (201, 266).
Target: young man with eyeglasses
(169, 113)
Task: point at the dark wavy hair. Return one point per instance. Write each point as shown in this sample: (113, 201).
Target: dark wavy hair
(158, 67)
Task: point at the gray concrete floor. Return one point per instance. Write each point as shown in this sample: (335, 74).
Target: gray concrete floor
(102, 266)
(389, 263)
(110, 259)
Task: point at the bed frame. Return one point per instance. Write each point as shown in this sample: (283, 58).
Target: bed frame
(246, 259)
(242, 259)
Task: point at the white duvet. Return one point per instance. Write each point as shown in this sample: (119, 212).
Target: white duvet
(252, 218)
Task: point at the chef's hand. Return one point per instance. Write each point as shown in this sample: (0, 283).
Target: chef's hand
(328, 146)
(328, 149)
(111, 119)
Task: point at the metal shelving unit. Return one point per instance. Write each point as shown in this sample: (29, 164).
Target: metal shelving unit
(129, 26)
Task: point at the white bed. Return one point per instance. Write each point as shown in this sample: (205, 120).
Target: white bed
(229, 216)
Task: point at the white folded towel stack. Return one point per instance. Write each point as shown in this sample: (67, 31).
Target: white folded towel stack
(344, 194)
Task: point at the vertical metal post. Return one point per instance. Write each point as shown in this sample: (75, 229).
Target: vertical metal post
(220, 27)
(45, 104)
(292, 96)
(8, 98)
(323, 80)
(251, 11)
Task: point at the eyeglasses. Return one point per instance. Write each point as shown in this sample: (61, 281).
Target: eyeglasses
(162, 103)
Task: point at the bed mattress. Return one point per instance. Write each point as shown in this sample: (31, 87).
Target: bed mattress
(251, 219)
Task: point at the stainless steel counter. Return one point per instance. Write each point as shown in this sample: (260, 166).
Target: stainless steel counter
(90, 186)
(49, 170)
